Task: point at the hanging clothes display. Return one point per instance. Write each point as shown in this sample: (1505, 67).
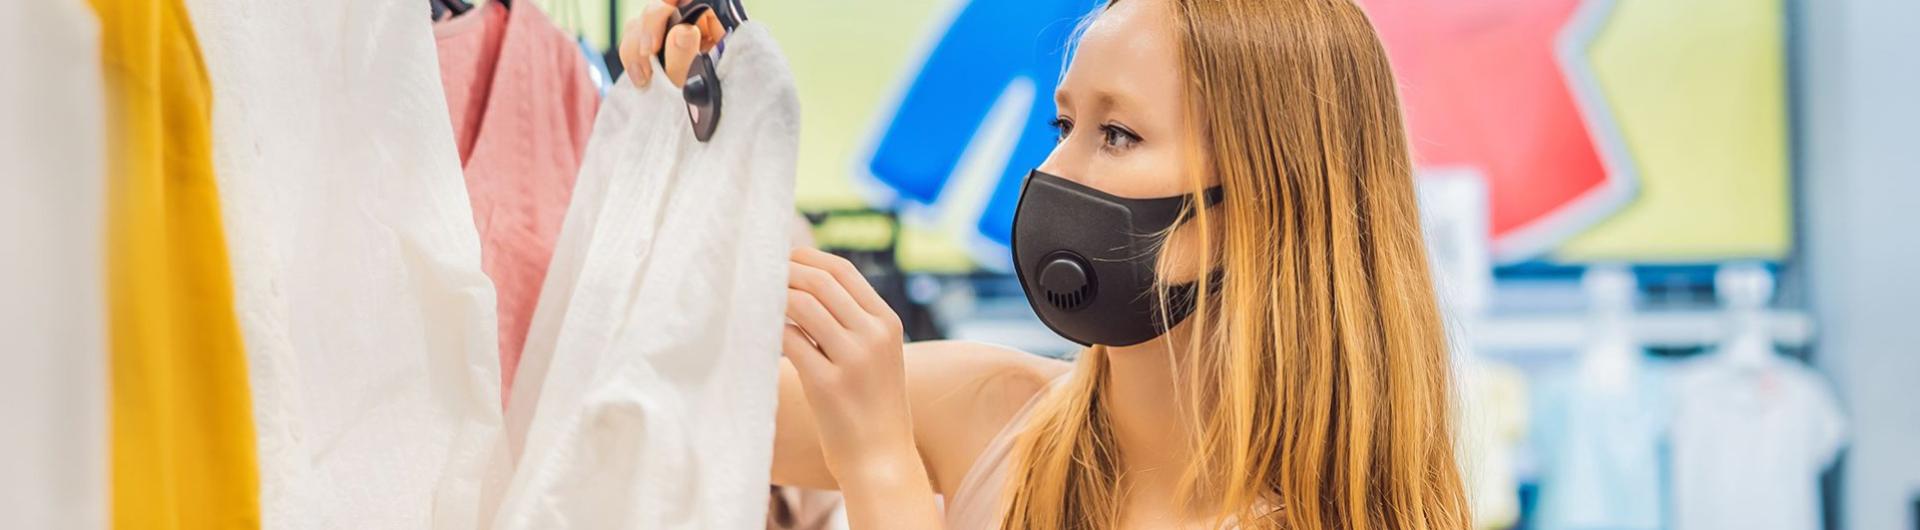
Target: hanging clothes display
(182, 426)
(1601, 454)
(522, 101)
(646, 395)
(53, 429)
(1752, 431)
(1599, 430)
(1749, 445)
(369, 325)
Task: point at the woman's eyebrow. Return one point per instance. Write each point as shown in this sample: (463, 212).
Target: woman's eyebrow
(1105, 99)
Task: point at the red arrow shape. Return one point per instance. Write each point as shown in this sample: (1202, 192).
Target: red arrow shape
(1483, 89)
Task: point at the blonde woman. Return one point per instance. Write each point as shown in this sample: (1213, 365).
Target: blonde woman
(1235, 168)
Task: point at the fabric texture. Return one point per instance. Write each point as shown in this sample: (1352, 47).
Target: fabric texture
(1602, 451)
(181, 421)
(370, 327)
(522, 103)
(53, 429)
(1749, 445)
(182, 426)
(646, 394)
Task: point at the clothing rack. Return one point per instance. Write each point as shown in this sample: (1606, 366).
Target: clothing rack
(1653, 329)
(1526, 321)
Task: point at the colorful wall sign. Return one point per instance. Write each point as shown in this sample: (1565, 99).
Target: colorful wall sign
(1607, 130)
(1483, 89)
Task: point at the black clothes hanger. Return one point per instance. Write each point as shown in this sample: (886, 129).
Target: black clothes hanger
(702, 88)
(611, 57)
(442, 7)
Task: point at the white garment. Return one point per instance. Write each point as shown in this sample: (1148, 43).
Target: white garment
(646, 393)
(1600, 446)
(1493, 423)
(53, 370)
(1749, 445)
(369, 326)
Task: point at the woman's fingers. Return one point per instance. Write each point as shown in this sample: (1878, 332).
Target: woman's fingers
(806, 356)
(632, 52)
(644, 37)
(683, 42)
(813, 317)
(829, 291)
(848, 276)
(710, 30)
(648, 34)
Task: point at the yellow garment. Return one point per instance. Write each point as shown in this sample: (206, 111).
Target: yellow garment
(182, 428)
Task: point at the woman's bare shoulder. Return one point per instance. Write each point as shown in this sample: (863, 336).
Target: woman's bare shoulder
(963, 394)
(973, 360)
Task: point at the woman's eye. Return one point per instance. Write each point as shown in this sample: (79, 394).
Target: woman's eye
(1118, 138)
(1063, 126)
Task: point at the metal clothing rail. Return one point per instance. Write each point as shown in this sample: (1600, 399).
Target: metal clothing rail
(1654, 329)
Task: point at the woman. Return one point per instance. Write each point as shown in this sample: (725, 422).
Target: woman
(1257, 148)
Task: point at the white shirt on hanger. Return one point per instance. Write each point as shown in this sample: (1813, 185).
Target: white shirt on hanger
(1749, 443)
(646, 393)
(368, 323)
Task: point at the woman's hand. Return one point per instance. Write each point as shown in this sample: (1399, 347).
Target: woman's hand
(846, 345)
(647, 33)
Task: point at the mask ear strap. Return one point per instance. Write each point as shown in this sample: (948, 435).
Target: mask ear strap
(1212, 196)
(1209, 198)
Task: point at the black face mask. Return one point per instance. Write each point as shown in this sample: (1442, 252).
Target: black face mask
(1086, 260)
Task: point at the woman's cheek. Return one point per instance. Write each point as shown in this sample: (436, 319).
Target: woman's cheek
(1183, 257)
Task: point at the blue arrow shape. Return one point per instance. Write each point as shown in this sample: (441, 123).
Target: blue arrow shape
(989, 45)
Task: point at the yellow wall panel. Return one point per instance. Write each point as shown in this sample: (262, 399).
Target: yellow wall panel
(1698, 89)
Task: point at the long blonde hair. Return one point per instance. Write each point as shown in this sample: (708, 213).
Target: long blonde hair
(1316, 367)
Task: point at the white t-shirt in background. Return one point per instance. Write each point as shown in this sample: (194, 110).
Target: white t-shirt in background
(1748, 445)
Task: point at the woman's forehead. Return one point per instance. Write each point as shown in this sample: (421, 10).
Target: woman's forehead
(1127, 56)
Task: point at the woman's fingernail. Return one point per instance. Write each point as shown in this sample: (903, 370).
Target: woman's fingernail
(684, 39)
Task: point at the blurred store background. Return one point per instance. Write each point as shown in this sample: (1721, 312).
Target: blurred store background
(1677, 238)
